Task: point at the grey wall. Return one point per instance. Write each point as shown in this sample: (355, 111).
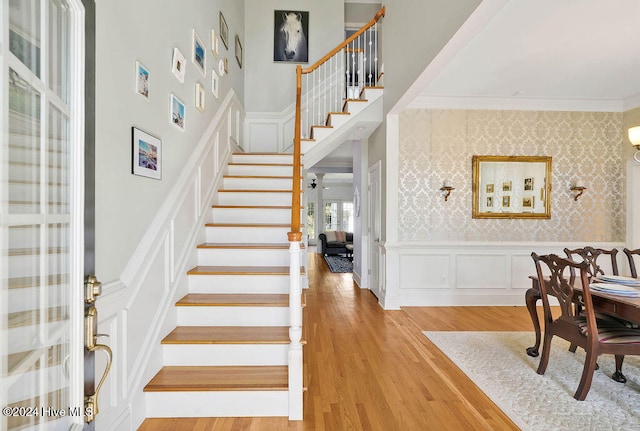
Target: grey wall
(360, 13)
(147, 31)
(422, 27)
(270, 86)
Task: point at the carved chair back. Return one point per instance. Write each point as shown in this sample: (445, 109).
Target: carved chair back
(632, 265)
(590, 255)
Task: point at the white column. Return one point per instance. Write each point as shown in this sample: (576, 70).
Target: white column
(319, 207)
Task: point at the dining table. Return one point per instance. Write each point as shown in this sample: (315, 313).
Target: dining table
(625, 307)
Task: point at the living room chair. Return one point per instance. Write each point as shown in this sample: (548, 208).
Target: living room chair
(595, 335)
(632, 265)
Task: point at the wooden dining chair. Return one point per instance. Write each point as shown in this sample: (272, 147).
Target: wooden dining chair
(595, 335)
(632, 265)
(591, 255)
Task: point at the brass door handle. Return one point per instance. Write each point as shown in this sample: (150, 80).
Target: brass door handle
(91, 402)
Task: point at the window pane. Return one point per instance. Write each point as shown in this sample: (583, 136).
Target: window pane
(24, 32)
(59, 40)
(311, 220)
(58, 154)
(24, 146)
(347, 216)
(330, 216)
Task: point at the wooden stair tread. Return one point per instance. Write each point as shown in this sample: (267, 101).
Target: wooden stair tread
(259, 153)
(241, 270)
(236, 300)
(266, 207)
(226, 378)
(228, 335)
(251, 246)
(259, 164)
(265, 225)
(34, 281)
(277, 177)
(256, 191)
(33, 317)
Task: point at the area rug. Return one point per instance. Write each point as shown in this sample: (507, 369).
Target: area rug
(498, 364)
(339, 264)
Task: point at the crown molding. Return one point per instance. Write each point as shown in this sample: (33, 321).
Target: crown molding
(518, 104)
(632, 102)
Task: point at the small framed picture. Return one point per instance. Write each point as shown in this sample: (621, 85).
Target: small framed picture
(177, 112)
(506, 201)
(142, 80)
(215, 83)
(527, 202)
(214, 42)
(221, 67)
(146, 154)
(489, 201)
(489, 188)
(541, 194)
(199, 97)
(224, 31)
(178, 65)
(226, 66)
(528, 184)
(238, 51)
(506, 186)
(199, 54)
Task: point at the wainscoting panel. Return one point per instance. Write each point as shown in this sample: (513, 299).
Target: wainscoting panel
(425, 271)
(482, 271)
(264, 137)
(469, 274)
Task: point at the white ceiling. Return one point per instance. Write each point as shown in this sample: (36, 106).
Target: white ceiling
(582, 51)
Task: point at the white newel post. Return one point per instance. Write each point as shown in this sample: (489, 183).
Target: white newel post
(295, 333)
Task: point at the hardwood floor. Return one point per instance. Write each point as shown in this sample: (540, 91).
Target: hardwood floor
(370, 369)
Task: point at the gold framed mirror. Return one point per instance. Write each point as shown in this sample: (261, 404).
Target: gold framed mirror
(512, 187)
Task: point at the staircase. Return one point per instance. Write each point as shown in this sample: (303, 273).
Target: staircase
(229, 354)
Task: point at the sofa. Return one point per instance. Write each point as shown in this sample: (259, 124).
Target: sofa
(335, 242)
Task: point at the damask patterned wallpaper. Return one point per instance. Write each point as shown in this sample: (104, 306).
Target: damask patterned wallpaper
(438, 144)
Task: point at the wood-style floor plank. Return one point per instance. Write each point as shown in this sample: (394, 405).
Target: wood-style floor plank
(367, 369)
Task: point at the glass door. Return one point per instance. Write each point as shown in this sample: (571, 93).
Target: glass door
(41, 214)
(338, 215)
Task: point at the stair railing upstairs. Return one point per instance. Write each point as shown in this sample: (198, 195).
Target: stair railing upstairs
(335, 78)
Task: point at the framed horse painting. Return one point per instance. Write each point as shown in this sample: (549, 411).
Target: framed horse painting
(290, 39)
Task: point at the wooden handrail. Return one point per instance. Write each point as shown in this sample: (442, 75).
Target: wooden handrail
(351, 38)
(295, 234)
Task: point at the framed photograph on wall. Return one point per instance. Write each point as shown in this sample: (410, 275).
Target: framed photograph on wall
(199, 54)
(199, 97)
(290, 39)
(528, 184)
(178, 65)
(146, 154)
(528, 202)
(506, 201)
(489, 188)
(506, 186)
(215, 83)
(224, 31)
(214, 42)
(177, 117)
(142, 80)
(238, 51)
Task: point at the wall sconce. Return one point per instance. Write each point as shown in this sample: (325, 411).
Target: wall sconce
(446, 188)
(634, 138)
(577, 189)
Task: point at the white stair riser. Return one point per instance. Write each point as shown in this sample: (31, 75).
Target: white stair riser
(282, 171)
(306, 146)
(338, 120)
(262, 158)
(252, 215)
(225, 354)
(242, 257)
(355, 107)
(247, 234)
(258, 183)
(320, 133)
(239, 283)
(26, 338)
(217, 404)
(22, 388)
(371, 94)
(232, 316)
(254, 198)
(28, 265)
